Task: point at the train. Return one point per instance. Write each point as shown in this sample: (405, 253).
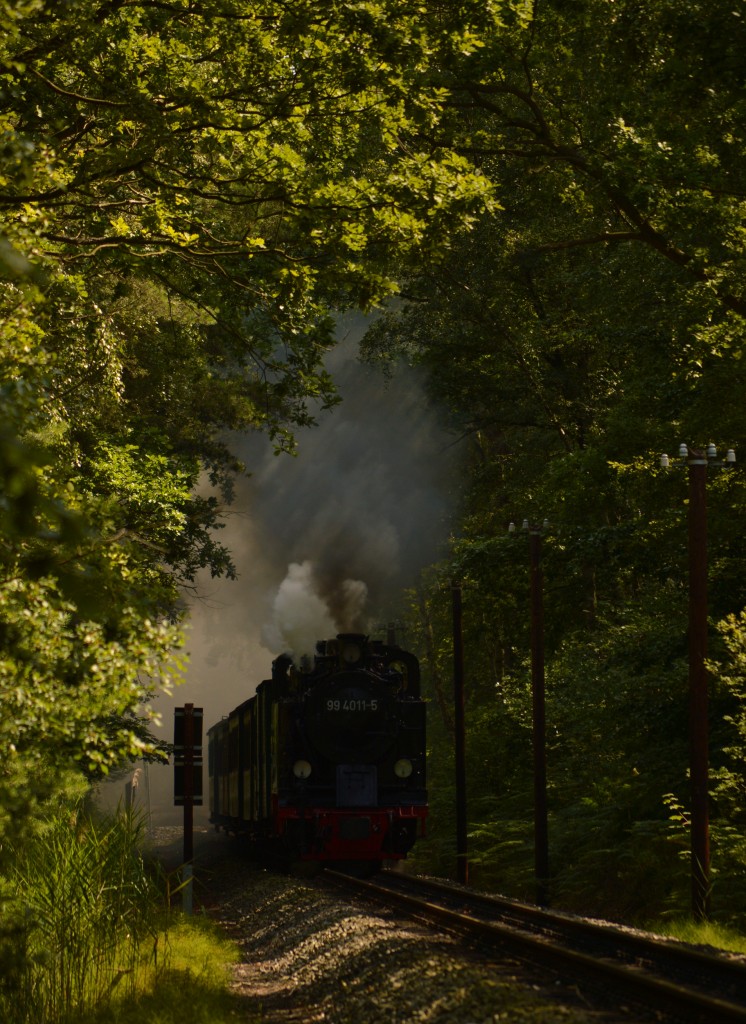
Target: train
(326, 763)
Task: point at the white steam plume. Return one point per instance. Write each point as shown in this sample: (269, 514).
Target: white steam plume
(301, 615)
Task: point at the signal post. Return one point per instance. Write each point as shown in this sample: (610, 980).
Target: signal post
(188, 783)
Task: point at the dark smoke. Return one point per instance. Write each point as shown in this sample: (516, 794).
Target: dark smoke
(364, 506)
(325, 542)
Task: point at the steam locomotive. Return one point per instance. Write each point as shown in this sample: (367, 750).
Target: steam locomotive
(326, 762)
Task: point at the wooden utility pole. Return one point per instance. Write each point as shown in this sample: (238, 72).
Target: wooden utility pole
(462, 861)
(698, 697)
(697, 460)
(541, 832)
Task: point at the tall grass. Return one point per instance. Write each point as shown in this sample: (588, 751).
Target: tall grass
(86, 917)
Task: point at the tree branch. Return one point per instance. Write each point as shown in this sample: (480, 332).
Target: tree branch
(76, 95)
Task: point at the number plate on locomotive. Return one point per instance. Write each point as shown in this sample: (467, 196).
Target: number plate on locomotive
(353, 704)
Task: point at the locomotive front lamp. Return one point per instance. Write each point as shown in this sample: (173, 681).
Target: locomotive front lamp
(403, 768)
(302, 769)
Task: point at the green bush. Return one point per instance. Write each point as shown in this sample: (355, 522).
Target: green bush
(83, 917)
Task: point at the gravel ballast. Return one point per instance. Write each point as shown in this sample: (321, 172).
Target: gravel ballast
(308, 956)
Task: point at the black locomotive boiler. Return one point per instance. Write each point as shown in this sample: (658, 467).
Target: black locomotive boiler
(327, 761)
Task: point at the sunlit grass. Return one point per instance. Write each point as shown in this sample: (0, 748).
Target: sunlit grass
(706, 933)
(197, 945)
(192, 986)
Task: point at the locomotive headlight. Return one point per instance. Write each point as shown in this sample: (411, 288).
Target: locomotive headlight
(302, 769)
(403, 768)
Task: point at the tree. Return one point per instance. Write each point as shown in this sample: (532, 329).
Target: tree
(631, 120)
(251, 162)
(577, 332)
(189, 192)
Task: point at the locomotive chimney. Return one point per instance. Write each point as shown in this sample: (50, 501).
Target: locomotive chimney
(352, 647)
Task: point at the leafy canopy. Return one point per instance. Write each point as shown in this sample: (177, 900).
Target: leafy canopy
(188, 193)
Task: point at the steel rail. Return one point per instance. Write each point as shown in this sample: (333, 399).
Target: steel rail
(549, 946)
(634, 944)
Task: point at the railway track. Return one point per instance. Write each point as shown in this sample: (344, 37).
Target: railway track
(683, 982)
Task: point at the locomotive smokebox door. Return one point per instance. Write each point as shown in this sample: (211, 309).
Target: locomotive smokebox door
(357, 785)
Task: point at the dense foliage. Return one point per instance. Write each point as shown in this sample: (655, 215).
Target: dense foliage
(188, 192)
(593, 322)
